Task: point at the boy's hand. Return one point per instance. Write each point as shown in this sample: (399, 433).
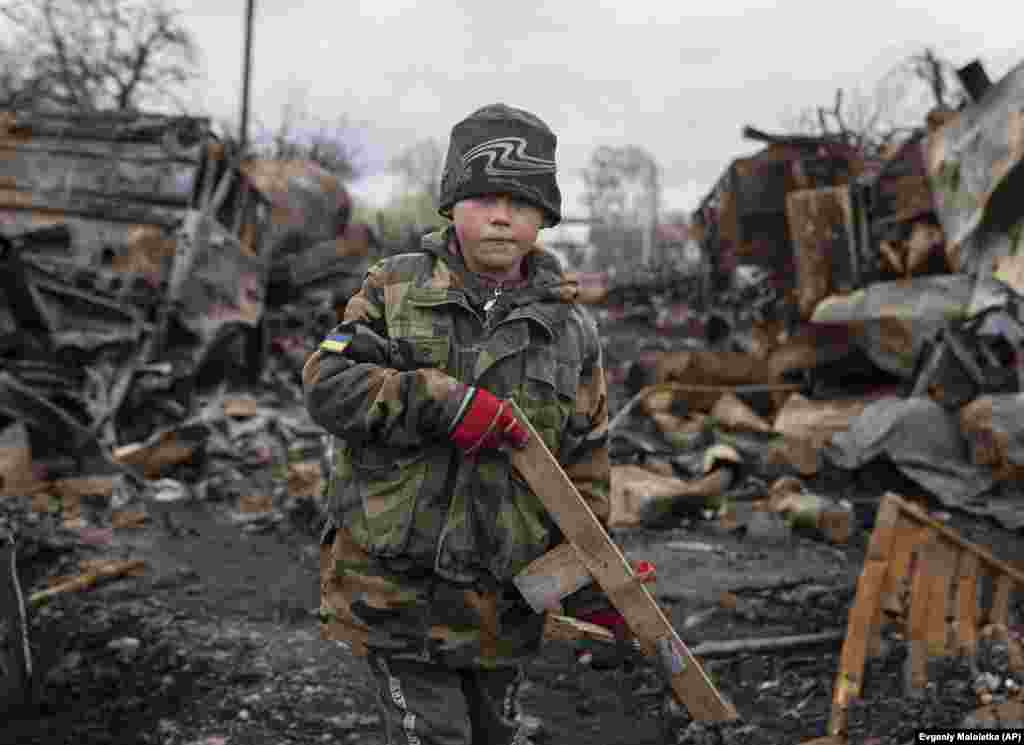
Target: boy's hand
(484, 422)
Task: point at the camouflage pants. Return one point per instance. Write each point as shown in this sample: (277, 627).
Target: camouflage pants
(428, 704)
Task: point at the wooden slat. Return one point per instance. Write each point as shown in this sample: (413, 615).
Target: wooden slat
(953, 600)
(917, 622)
(908, 536)
(984, 556)
(614, 574)
(864, 613)
(967, 605)
(941, 567)
(880, 548)
(999, 613)
(569, 629)
(874, 644)
(551, 578)
(849, 679)
(881, 543)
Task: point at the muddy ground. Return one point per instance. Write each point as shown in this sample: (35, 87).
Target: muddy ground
(217, 644)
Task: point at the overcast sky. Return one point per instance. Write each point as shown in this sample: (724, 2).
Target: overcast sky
(679, 78)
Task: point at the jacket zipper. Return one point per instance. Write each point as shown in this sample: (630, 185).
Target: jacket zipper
(453, 463)
(489, 307)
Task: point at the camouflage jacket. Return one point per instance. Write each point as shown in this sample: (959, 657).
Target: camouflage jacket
(426, 542)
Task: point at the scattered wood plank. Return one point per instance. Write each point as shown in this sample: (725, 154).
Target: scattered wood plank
(940, 572)
(920, 597)
(769, 644)
(862, 614)
(967, 606)
(1000, 611)
(104, 570)
(566, 628)
(551, 578)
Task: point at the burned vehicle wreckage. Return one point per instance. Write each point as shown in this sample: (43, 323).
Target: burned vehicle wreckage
(143, 263)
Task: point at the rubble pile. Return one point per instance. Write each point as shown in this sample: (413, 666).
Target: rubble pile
(891, 334)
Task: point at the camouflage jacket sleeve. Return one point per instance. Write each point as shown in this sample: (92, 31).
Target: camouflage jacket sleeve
(584, 452)
(358, 395)
(585, 456)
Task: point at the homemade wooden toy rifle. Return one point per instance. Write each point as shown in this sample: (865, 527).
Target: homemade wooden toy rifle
(590, 554)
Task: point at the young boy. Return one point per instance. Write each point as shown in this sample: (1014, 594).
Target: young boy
(429, 522)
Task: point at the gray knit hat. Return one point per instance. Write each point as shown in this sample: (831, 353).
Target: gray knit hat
(502, 150)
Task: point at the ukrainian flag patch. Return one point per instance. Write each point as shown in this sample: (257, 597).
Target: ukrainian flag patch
(336, 342)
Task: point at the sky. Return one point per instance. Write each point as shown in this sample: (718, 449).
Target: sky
(678, 78)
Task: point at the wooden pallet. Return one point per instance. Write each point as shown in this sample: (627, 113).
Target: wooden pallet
(591, 553)
(929, 582)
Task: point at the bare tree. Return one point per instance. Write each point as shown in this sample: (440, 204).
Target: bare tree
(895, 109)
(17, 86)
(420, 166)
(622, 184)
(854, 118)
(329, 142)
(940, 77)
(622, 189)
(97, 55)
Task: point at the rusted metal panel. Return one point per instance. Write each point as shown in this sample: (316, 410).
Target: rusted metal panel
(115, 167)
(973, 166)
(101, 189)
(216, 288)
(303, 197)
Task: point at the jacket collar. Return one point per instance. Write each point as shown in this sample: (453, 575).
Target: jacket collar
(543, 282)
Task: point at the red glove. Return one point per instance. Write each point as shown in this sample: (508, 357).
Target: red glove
(484, 421)
(610, 618)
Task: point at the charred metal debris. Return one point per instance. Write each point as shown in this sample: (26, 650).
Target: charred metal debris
(146, 270)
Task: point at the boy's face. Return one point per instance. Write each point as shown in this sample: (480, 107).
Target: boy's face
(496, 231)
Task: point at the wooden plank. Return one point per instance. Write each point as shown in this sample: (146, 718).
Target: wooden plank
(569, 629)
(984, 556)
(953, 600)
(967, 605)
(940, 568)
(864, 619)
(849, 678)
(874, 646)
(917, 623)
(613, 572)
(909, 535)
(880, 548)
(551, 578)
(999, 613)
(881, 543)
(110, 570)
